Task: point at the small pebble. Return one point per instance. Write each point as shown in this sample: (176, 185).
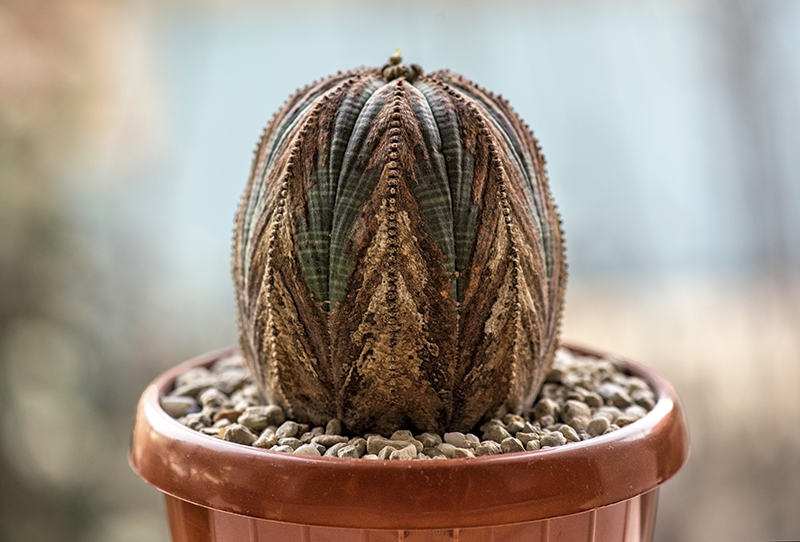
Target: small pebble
(621, 399)
(555, 438)
(610, 412)
(267, 439)
(462, 452)
(347, 450)
(636, 412)
(376, 442)
(515, 426)
(575, 409)
(404, 454)
(598, 426)
(288, 429)
(644, 398)
(258, 418)
(213, 397)
(307, 449)
(433, 453)
(195, 420)
(458, 440)
(386, 452)
(547, 421)
(555, 376)
(488, 447)
(611, 428)
(545, 407)
(622, 421)
(222, 422)
(446, 449)
(533, 445)
(211, 431)
(511, 445)
(334, 427)
(178, 406)
(429, 440)
(330, 440)
(593, 399)
(569, 433)
(239, 434)
(607, 390)
(525, 438)
(284, 449)
(230, 415)
(496, 433)
(402, 435)
(293, 443)
(360, 444)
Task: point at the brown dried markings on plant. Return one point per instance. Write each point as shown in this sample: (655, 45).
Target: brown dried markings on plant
(398, 259)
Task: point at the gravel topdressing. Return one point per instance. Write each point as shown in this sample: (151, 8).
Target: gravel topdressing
(583, 397)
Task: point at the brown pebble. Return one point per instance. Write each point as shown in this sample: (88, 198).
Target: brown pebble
(488, 447)
(267, 439)
(570, 434)
(511, 445)
(533, 445)
(230, 414)
(621, 399)
(644, 398)
(598, 426)
(348, 450)
(239, 434)
(497, 434)
(575, 409)
(258, 418)
(294, 443)
(333, 451)
(432, 452)
(459, 453)
(446, 448)
(404, 454)
(360, 444)
(330, 440)
(459, 440)
(622, 421)
(334, 427)
(288, 429)
(196, 420)
(376, 442)
(213, 397)
(555, 438)
(546, 407)
(429, 440)
(386, 452)
(403, 434)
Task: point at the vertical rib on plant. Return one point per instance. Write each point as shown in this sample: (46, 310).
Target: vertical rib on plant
(398, 259)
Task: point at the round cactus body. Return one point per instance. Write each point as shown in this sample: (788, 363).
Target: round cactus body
(398, 260)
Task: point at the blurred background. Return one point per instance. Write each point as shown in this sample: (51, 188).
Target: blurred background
(672, 132)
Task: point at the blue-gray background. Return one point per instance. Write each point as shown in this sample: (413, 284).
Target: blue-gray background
(671, 130)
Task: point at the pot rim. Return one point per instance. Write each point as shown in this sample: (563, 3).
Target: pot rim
(383, 494)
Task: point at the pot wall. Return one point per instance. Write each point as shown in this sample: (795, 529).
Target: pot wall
(629, 521)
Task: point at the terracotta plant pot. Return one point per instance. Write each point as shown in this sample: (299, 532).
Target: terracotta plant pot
(602, 489)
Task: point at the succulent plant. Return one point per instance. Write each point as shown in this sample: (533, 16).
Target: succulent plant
(398, 260)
